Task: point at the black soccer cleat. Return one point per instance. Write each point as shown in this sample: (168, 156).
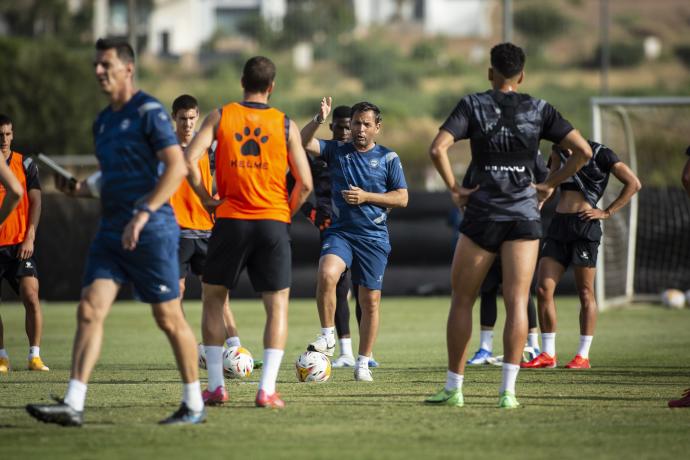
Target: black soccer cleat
(59, 413)
(185, 416)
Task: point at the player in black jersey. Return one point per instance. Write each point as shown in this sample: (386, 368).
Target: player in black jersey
(502, 211)
(573, 238)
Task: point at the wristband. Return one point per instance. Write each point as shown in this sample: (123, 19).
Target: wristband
(316, 119)
(143, 207)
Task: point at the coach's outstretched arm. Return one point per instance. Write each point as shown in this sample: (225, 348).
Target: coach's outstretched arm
(299, 168)
(195, 150)
(439, 156)
(13, 189)
(310, 144)
(174, 173)
(581, 153)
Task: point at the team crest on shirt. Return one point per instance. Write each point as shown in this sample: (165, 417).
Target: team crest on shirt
(124, 124)
(374, 163)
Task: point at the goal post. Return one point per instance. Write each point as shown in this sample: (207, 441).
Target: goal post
(641, 252)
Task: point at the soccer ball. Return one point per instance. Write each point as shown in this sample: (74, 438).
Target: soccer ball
(202, 356)
(673, 298)
(528, 354)
(237, 363)
(312, 366)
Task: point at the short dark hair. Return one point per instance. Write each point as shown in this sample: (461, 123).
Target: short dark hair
(5, 120)
(124, 50)
(365, 107)
(508, 59)
(258, 74)
(342, 111)
(184, 102)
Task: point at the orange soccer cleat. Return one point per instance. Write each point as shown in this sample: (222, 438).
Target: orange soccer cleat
(542, 361)
(272, 401)
(578, 362)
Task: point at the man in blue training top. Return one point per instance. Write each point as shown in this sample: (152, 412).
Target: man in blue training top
(366, 181)
(138, 235)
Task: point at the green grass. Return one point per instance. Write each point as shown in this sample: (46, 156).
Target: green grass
(615, 410)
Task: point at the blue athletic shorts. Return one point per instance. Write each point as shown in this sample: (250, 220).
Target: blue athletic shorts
(152, 267)
(365, 257)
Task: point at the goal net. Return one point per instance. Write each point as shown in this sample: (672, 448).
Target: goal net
(646, 246)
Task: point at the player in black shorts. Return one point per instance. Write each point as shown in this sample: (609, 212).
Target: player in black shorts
(502, 211)
(17, 236)
(489, 292)
(573, 239)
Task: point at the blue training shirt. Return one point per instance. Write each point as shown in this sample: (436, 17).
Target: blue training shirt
(377, 170)
(126, 144)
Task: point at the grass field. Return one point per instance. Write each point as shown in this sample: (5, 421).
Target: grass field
(615, 410)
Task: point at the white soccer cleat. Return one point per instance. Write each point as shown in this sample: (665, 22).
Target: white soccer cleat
(363, 374)
(323, 344)
(344, 361)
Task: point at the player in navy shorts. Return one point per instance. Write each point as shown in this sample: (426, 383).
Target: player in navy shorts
(141, 166)
(366, 181)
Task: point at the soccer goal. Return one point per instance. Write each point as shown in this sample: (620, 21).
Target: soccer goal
(646, 246)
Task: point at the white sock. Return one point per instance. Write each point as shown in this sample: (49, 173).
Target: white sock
(76, 395)
(454, 381)
(233, 342)
(3, 353)
(269, 372)
(214, 366)
(191, 396)
(346, 346)
(363, 361)
(327, 331)
(548, 343)
(585, 343)
(34, 351)
(486, 340)
(510, 373)
(533, 340)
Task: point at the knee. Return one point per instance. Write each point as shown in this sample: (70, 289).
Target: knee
(545, 291)
(167, 322)
(88, 314)
(586, 295)
(328, 277)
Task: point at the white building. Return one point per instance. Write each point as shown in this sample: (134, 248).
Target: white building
(182, 26)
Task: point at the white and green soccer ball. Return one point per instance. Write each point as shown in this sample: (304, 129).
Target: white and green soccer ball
(202, 356)
(528, 354)
(312, 366)
(238, 363)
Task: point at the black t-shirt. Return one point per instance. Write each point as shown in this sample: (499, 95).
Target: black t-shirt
(603, 159)
(30, 171)
(505, 194)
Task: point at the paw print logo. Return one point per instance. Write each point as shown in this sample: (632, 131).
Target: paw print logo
(252, 146)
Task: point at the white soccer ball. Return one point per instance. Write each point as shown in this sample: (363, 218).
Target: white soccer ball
(237, 363)
(312, 366)
(528, 354)
(673, 298)
(202, 356)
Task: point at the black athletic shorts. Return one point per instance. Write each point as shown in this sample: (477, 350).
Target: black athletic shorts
(490, 235)
(571, 240)
(11, 268)
(192, 255)
(262, 246)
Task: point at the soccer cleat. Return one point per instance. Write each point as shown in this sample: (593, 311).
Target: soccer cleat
(373, 363)
(59, 413)
(578, 362)
(529, 353)
(444, 397)
(272, 401)
(36, 364)
(323, 344)
(217, 397)
(185, 416)
(682, 402)
(4, 365)
(495, 360)
(480, 357)
(508, 400)
(344, 361)
(258, 364)
(363, 374)
(542, 361)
